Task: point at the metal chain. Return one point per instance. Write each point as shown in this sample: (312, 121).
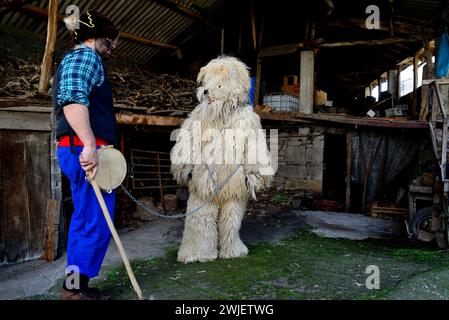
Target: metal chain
(179, 214)
(157, 213)
(217, 189)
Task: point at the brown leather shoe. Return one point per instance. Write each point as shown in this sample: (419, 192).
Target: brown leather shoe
(87, 294)
(100, 295)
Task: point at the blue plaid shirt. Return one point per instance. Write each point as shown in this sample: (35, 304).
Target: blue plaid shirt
(81, 70)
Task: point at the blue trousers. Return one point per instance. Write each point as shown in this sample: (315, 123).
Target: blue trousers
(89, 234)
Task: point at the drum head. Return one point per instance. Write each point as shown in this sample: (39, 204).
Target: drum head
(111, 168)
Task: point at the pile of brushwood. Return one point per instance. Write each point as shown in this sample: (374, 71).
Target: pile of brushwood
(134, 89)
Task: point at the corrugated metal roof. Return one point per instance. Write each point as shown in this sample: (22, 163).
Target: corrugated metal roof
(419, 9)
(144, 18)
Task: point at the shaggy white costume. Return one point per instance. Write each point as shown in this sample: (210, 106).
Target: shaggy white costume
(219, 187)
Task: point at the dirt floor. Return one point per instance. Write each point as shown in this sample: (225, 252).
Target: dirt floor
(287, 260)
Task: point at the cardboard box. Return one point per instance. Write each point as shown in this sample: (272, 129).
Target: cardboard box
(320, 98)
(291, 89)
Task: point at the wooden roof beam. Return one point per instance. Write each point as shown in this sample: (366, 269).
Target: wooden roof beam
(358, 73)
(6, 5)
(398, 24)
(318, 43)
(182, 10)
(368, 42)
(442, 16)
(124, 35)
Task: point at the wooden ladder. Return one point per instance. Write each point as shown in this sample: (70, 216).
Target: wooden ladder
(439, 126)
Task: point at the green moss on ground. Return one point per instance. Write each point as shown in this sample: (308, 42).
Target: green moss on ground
(305, 266)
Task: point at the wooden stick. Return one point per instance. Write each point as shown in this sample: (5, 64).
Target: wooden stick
(47, 62)
(116, 238)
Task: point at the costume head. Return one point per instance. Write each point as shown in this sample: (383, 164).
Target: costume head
(224, 82)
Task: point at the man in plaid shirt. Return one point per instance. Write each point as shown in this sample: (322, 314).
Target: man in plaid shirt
(85, 120)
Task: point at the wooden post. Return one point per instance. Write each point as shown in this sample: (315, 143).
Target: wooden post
(240, 36)
(379, 90)
(428, 57)
(47, 62)
(261, 32)
(415, 72)
(423, 110)
(393, 84)
(222, 40)
(391, 20)
(348, 169)
(307, 82)
(415, 85)
(253, 26)
(50, 247)
(399, 83)
(258, 79)
(367, 91)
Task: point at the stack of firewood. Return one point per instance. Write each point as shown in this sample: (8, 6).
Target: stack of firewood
(133, 89)
(18, 78)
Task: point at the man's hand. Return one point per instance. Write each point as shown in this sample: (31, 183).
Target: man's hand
(89, 160)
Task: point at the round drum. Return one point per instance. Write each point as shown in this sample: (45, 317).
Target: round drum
(111, 168)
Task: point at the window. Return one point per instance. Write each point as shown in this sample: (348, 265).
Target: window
(375, 93)
(406, 84)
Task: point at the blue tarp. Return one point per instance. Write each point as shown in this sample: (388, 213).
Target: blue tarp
(442, 60)
(252, 90)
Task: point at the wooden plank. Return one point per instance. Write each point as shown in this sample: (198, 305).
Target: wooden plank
(307, 82)
(37, 147)
(29, 109)
(50, 239)
(15, 102)
(139, 119)
(15, 196)
(365, 122)
(30, 121)
(47, 62)
(344, 120)
(278, 50)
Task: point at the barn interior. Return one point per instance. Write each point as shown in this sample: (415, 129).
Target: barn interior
(348, 86)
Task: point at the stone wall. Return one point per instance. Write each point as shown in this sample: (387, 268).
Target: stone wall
(300, 161)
